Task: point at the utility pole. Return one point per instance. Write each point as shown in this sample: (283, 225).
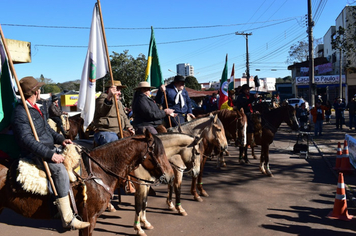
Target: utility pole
(247, 61)
(311, 56)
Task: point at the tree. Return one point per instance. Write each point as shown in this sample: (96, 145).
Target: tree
(192, 82)
(129, 71)
(344, 40)
(49, 86)
(299, 52)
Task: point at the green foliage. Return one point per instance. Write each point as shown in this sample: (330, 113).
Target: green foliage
(192, 82)
(129, 70)
(71, 85)
(50, 88)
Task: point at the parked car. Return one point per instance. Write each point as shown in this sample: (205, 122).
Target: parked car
(299, 101)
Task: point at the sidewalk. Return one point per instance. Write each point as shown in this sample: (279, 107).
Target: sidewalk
(326, 146)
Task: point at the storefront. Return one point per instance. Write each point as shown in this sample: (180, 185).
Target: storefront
(328, 86)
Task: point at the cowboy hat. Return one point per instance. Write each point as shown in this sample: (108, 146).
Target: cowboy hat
(179, 78)
(29, 85)
(54, 98)
(245, 86)
(143, 84)
(117, 83)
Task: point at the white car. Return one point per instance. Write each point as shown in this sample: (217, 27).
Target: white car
(299, 101)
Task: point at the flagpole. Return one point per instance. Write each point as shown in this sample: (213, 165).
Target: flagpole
(110, 69)
(48, 172)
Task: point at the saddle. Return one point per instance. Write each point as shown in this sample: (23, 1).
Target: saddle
(65, 122)
(27, 176)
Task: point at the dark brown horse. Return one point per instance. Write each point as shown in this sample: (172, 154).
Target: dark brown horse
(271, 120)
(76, 127)
(109, 163)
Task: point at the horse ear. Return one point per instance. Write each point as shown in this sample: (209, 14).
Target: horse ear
(242, 110)
(211, 114)
(215, 118)
(148, 135)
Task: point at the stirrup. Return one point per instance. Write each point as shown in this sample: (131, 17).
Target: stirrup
(129, 187)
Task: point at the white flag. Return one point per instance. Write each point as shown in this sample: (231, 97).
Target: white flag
(95, 67)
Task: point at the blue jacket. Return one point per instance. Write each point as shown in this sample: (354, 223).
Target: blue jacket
(171, 95)
(30, 147)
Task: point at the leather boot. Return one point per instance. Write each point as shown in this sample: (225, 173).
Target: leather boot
(68, 219)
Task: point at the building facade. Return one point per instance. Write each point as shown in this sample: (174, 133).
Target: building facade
(185, 69)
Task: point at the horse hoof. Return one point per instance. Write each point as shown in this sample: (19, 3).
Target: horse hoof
(263, 170)
(198, 199)
(148, 227)
(183, 213)
(142, 233)
(247, 162)
(204, 194)
(223, 164)
(111, 208)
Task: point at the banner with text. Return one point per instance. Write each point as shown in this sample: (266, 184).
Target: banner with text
(351, 141)
(321, 79)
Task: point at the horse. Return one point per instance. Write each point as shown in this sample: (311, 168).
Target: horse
(184, 153)
(214, 139)
(271, 120)
(73, 125)
(108, 164)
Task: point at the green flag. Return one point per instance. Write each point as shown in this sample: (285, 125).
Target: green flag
(153, 73)
(224, 85)
(7, 95)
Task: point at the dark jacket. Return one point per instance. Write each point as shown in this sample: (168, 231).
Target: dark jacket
(146, 111)
(30, 147)
(171, 95)
(54, 111)
(339, 109)
(351, 106)
(105, 117)
(243, 101)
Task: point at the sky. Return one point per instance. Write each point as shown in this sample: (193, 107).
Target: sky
(197, 32)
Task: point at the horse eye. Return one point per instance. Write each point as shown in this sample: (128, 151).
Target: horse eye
(218, 129)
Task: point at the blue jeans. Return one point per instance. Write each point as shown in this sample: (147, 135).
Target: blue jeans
(318, 127)
(60, 178)
(352, 120)
(101, 138)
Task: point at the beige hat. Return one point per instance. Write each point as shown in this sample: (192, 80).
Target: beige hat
(143, 84)
(117, 83)
(29, 85)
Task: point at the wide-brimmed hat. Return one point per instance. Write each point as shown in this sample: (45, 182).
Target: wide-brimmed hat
(179, 78)
(143, 84)
(29, 85)
(54, 98)
(117, 83)
(245, 86)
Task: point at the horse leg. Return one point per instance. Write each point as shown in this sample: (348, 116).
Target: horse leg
(200, 180)
(177, 190)
(253, 152)
(245, 155)
(140, 210)
(169, 196)
(193, 189)
(266, 153)
(197, 183)
(262, 161)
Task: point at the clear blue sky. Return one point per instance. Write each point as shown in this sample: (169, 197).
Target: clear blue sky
(275, 26)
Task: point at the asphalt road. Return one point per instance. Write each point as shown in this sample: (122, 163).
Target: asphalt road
(242, 202)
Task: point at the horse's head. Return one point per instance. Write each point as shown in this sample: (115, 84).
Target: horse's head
(241, 128)
(156, 162)
(197, 149)
(214, 134)
(289, 117)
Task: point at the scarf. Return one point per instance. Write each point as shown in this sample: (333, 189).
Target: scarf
(249, 105)
(178, 97)
(36, 107)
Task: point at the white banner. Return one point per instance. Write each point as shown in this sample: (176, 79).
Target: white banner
(321, 79)
(351, 141)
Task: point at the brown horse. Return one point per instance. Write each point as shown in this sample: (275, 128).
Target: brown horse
(184, 153)
(211, 130)
(108, 163)
(271, 120)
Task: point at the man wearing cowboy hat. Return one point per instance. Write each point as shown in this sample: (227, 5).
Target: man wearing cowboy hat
(245, 100)
(44, 148)
(177, 99)
(146, 112)
(55, 113)
(105, 117)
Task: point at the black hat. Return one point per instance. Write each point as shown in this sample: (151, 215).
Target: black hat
(54, 98)
(245, 86)
(179, 78)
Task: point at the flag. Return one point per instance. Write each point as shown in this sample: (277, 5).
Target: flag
(95, 67)
(232, 78)
(224, 84)
(8, 99)
(153, 73)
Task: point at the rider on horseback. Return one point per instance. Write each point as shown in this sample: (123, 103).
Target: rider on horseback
(44, 148)
(55, 112)
(245, 100)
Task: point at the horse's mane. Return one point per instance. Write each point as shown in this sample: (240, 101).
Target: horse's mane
(167, 134)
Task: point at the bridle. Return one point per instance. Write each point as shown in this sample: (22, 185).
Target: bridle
(180, 169)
